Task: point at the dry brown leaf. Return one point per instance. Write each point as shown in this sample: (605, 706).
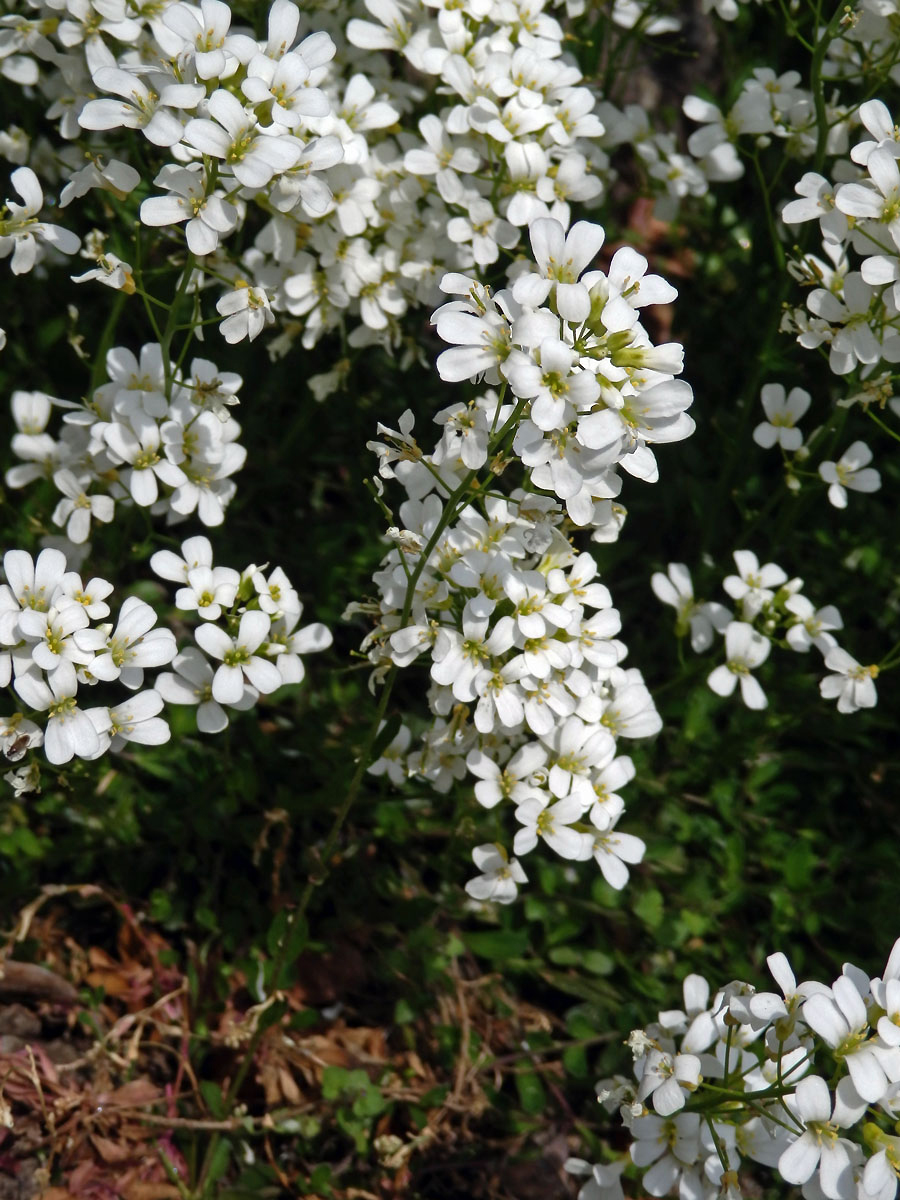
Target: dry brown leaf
(133, 1094)
(110, 1151)
(268, 1078)
(142, 1189)
(29, 981)
(416, 1065)
(288, 1086)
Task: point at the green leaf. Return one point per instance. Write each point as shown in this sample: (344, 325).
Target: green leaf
(403, 1013)
(386, 735)
(532, 1095)
(334, 1082)
(215, 1101)
(575, 1061)
(272, 1015)
(594, 961)
(218, 1164)
(649, 907)
(798, 866)
(370, 1102)
(498, 944)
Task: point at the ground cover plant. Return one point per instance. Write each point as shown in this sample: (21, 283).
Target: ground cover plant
(434, 427)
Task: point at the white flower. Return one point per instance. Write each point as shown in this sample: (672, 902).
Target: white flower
(111, 271)
(605, 1179)
(782, 416)
(819, 1147)
(460, 656)
(676, 589)
(668, 1078)
(32, 584)
(754, 585)
(500, 875)
(208, 216)
(561, 258)
(51, 635)
(813, 625)
(862, 200)
(146, 106)
(116, 177)
(631, 712)
(552, 823)
(31, 411)
(579, 750)
(852, 685)
(745, 650)
(845, 324)
(816, 204)
(208, 591)
(197, 552)
(557, 388)
(246, 311)
(240, 663)
(782, 1011)
(612, 849)
(876, 117)
(672, 1144)
(276, 595)
(714, 143)
(284, 85)
(24, 780)
(393, 757)
(70, 731)
(233, 135)
(133, 645)
(137, 720)
(292, 642)
(77, 508)
(203, 31)
(511, 781)
(608, 806)
(191, 683)
(17, 736)
(851, 472)
(209, 388)
(842, 1020)
(146, 467)
(91, 596)
(136, 385)
(20, 230)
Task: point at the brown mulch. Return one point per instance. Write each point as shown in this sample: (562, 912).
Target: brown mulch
(99, 1066)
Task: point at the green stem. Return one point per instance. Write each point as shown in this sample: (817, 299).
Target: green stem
(770, 216)
(168, 333)
(98, 371)
(816, 84)
(455, 501)
(717, 1142)
(883, 425)
(341, 815)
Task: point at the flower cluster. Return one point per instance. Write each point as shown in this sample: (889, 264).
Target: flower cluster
(527, 687)
(304, 129)
(853, 308)
(802, 1080)
(53, 642)
(594, 393)
(770, 609)
(149, 436)
(248, 626)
